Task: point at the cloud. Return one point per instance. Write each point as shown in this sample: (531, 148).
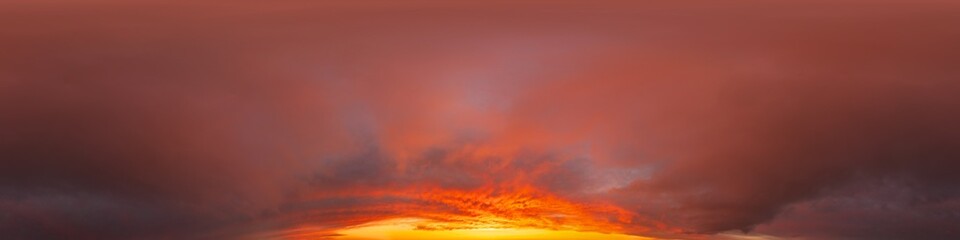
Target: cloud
(203, 120)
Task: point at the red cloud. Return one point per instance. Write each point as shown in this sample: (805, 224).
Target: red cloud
(674, 120)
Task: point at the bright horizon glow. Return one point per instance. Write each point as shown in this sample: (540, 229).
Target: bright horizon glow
(406, 228)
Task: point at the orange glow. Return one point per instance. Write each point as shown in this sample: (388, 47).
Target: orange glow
(525, 207)
(402, 229)
(486, 213)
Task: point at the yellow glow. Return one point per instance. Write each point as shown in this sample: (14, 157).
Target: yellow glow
(405, 229)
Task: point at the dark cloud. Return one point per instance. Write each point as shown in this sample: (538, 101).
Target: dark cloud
(878, 208)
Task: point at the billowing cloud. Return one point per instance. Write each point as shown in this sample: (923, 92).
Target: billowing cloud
(301, 120)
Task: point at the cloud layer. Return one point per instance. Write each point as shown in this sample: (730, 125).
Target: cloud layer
(156, 120)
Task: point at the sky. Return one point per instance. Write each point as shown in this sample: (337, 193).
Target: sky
(361, 120)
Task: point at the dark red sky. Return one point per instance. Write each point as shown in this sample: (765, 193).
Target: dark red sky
(663, 119)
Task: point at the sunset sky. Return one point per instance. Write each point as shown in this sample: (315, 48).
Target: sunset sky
(533, 120)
